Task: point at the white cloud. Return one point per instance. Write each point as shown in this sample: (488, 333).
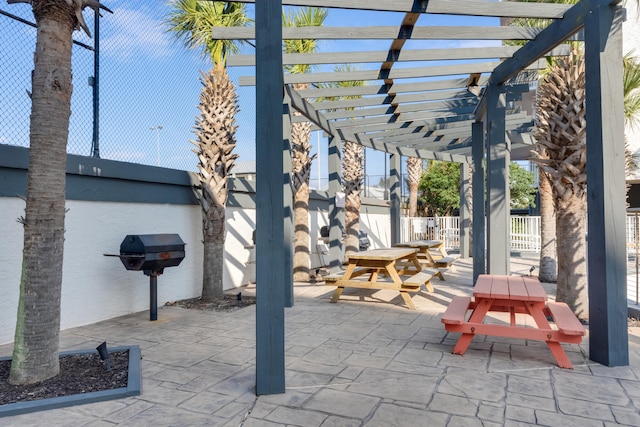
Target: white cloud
(134, 33)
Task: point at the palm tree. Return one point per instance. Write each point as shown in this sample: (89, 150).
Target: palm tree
(547, 271)
(215, 129)
(561, 134)
(37, 336)
(414, 172)
(300, 141)
(631, 92)
(553, 194)
(352, 170)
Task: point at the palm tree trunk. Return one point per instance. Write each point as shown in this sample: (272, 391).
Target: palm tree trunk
(36, 346)
(572, 251)
(414, 172)
(413, 199)
(301, 253)
(548, 263)
(352, 168)
(215, 131)
(300, 175)
(352, 222)
(213, 225)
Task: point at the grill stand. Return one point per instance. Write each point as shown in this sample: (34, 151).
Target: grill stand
(153, 292)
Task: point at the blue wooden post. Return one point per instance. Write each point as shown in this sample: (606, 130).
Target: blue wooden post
(336, 214)
(395, 195)
(608, 336)
(270, 247)
(498, 159)
(478, 253)
(288, 204)
(465, 220)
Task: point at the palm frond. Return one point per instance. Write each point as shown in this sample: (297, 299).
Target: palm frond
(631, 89)
(302, 17)
(191, 22)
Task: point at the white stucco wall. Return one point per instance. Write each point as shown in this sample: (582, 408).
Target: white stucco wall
(378, 228)
(96, 287)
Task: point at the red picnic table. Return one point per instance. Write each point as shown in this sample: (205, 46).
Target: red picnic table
(515, 295)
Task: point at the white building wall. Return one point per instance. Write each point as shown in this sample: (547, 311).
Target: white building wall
(378, 228)
(96, 287)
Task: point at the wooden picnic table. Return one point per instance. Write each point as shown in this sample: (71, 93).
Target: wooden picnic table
(513, 294)
(376, 269)
(432, 254)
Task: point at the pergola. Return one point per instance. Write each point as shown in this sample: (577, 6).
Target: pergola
(459, 104)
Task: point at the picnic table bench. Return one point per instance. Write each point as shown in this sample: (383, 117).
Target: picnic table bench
(515, 295)
(432, 254)
(377, 269)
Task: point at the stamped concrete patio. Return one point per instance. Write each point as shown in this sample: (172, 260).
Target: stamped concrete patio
(365, 361)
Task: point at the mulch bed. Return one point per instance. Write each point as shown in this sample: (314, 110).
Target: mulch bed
(80, 373)
(226, 303)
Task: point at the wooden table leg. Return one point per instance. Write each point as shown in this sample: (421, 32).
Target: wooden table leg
(559, 354)
(337, 293)
(408, 300)
(536, 311)
(429, 287)
(478, 314)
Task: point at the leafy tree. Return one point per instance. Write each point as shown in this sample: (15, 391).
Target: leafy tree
(215, 129)
(37, 336)
(440, 185)
(521, 186)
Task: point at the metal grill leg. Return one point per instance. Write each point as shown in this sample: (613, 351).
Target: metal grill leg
(153, 297)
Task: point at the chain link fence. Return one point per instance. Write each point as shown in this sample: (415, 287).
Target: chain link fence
(149, 87)
(17, 45)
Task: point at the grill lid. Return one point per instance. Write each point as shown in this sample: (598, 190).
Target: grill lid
(151, 243)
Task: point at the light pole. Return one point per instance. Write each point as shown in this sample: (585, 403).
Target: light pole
(157, 129)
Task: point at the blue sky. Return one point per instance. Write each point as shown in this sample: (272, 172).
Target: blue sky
(149, 79)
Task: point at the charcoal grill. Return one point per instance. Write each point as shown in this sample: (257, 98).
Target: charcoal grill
(363, 238)
(151, 254)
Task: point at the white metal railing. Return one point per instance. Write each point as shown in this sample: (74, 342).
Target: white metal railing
(525, 237)
(525, 231)
(633, 253)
